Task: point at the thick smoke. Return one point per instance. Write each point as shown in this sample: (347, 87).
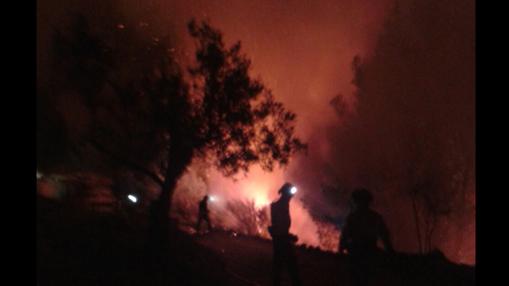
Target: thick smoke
(412, 128)
(302, 51)
(409, 114)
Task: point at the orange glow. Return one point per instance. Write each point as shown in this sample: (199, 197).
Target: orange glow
(257, 187)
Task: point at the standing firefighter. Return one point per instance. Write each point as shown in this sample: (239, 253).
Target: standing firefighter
(363, 228)
(283, 241)
(203, 214)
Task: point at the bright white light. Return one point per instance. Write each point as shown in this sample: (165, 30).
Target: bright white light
(132, 198)
(38, 175)
(212, 198)
(293, 190)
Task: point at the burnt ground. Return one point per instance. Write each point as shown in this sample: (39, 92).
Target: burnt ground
(92, 249)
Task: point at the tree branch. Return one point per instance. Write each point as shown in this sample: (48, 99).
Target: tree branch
(132, 165)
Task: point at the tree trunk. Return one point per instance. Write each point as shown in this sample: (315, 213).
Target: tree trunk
(430, 228)
(416, 216)
(161, 207)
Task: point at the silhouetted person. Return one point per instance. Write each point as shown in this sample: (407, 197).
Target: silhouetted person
(203, 214)
(360, 234)
(283, 241)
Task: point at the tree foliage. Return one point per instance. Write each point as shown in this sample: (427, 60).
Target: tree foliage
(148, 113)
(413, 130)
(242, 123)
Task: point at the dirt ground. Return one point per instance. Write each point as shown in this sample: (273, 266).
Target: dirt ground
(105, 250)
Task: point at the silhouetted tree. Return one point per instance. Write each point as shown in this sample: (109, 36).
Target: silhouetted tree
(413, 127)
(148, 115)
